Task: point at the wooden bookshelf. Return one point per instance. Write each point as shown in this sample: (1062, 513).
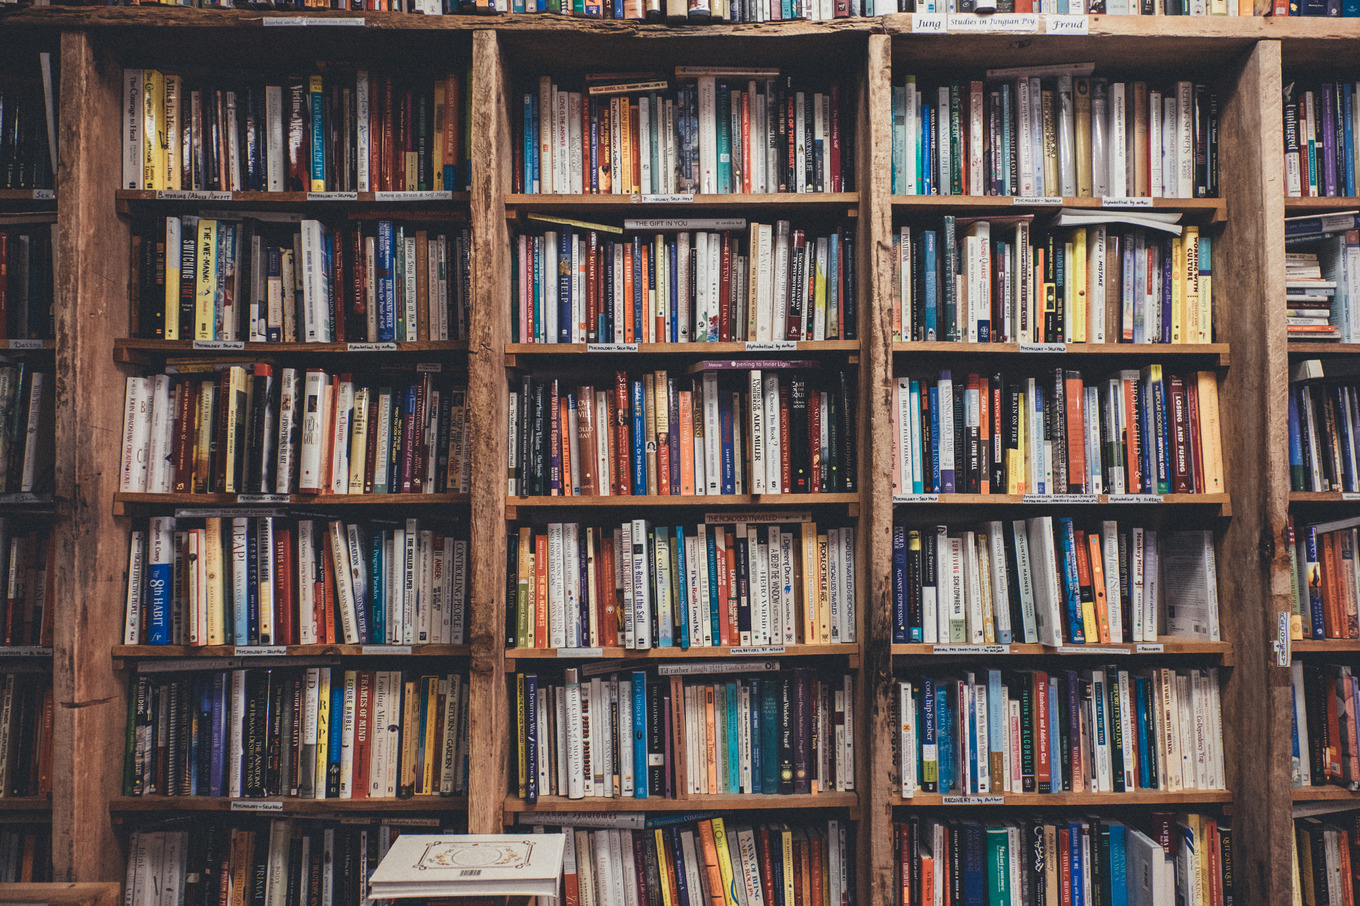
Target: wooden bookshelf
(160, 652)
(848, 653)
(1214, 355)
(128, 806)
(695, 803)
(126, 503)
(1196, 210)
(145, 352)
(1179, 799)
(1168, 647)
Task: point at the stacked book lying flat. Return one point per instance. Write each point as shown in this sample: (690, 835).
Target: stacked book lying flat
(470, 865)
(1322, 276)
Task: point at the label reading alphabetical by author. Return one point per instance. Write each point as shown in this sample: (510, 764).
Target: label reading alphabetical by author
(611, 347)
(771, 345)
(758, 652)
(663, 199)
(973, 800)
(1057, 24)
(580, 652)
(25, 344)
(370, 347)
(332, 196)
(219, 345)
(1049, 201)
(385, 649)
(1134, 498)
(1008, 23)
(300, 21)
(257, 805)
(970, 649)
(929, 23)
(1124, 201)
(27, 651)
(260, 650)
(1060, 498)
(1042, 347)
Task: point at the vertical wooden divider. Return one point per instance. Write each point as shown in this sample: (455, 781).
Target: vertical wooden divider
(875, 143)
(91, 297)
(1248, 282)
(489, 730)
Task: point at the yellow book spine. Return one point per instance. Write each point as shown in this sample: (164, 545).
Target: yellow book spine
(323, 730)
(1016, 466)
(664, 867)
(172, 277)
(725, 862)
(174, 90)
(823, 592)
(439, 115)
(1178, 290)
(625, 168)
(1078, 283)
(212, 582)
(153, 129)
(1069, 297)
(809, 582)
(205, 286)
(1090, 625)
(786, 853)
(358, 448)
(1210, 442)
(819, 310)
(1194, 328)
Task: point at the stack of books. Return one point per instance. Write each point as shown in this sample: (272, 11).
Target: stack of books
(1322, 276)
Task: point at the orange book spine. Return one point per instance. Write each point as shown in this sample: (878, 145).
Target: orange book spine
(710, 742)
(1098, 587)
(746, 141)
(1076, 435)
(644, 277)
(540, 591)
(678, 731)
(810, 570)
(985, 433)
(685, 407)
(629, 335)
(1133, 464)
(710, 849)
(327, 595)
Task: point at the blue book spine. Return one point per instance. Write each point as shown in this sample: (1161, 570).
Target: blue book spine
(929, 735)
(531, 738)
(639, 734)
(216, 707)
(378, 629)
(252, 590)
(618, 9)
(944, 736)
(946, 409)
(1119, 867)
(934, 450)
(1310, 548)
(1055, 771)
(160, 586)
(723, 117)
(531, 152)
(714, 616)
(318, 100)
(900, 590)
(337, 731)
(678, 870)
(914, 404)
(733, 733)
(757, 740)
(975, 866)
(1327, 108)
(930, 269)
(682, 588)
(1296, 479)
(564, 284)
(998, 719)
(387, 286)
(973, 783)
(1140, 691)
(1071, 586)
(1006, 188)
(1348, 117)
(927, 169)
(529, 144)
(769, 736)
(639, 431)
(674, 287)
(729, 474)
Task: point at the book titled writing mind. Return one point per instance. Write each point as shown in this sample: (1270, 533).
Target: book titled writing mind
(421, 865)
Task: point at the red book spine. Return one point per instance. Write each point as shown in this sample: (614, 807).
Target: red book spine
(389, 137)
(622, 442)
(338, 285)
(183, 454)
(325, 599)
(4, 285)
(607, 600)
(815, 441)
(420, 448)
(835, 183)
(1076, 434)
(1180, 446)
(407, 145)
(724, 631)
(363, 703)
(1193, 437)
(556, 484)
(733, 630)
(592, 285)
(285, 604)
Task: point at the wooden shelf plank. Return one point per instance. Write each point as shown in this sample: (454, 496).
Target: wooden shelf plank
(1293, 206)
(1324, 646)
(696, 350)
(47, 196)
(1211, 210)
(1218, 353)
(1302, 348)
(743, 802)
(1221, 501)
(925, 650)
(125, 347)
(1153, 798)
(676, 501)
(123, 805)
(25, 804)
(575, 655)
(124, 501)
(341, 202)
(153, 652)
(1325, 794)
(754, 202)
(1320, 497)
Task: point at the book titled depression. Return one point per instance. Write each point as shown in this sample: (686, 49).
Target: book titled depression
(421, 865)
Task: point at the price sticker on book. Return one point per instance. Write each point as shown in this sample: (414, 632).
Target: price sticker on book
(1124, 201)
(973, 800)
(1057, 24)
(370, 347)
(301, 21)
(257, 805)
(219, 345)
(25, 344)
(1043, 347)
(611, 347)
(929, 23)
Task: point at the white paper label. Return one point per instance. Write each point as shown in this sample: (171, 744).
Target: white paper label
(1067, 25)
(219, 345)
(1038, 200)
(1111, 201)
(611, 347)
(25, 344)
(260, 650)
(413, 196)
(219, 512)
(370, 347)
(763, 517)
(263, 498)
(1043, 347)
(1091, 649)
(298, 21)
(663, 199)
(1134, 498)
(44, 194)
(429, 367)
(1148, 648)
(257, 805)
(191, 195)
(667, 224)
(1060, 498)
(24, 497)
(332, 196)
(580, 652)
(971, 649)
(1282, 642)
(772, 346)
(916, 498)
(1016, 23)
(759, 652)
(1350, 495)
(973, 800)
(385, 649)
(1333, 223)
(929, 23)
(712, 667)
(26, 651)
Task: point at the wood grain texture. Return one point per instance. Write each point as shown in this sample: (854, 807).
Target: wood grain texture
(92, 307)
(489, 725)
(62, 894)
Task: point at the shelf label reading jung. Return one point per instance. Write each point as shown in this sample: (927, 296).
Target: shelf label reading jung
(929, 23)
(1124, 201)
(191, 195)
(1043, 347)
(332, 196)
(1054, 201)
(677, 198)
(385, 649)
(758, 652)
(44, 194)
(970, 649)
(1148, 648)
(1015, 23)
(1134, 498)
(1060, 498)
(25, 344)
(257, 805)
(301, 21)
(427, 195)
(1057, 24)
(916, 498)
(580, 652)
(611, 347)
(370, 347)
(973, 800)
(759, 518)
(262, 499)
(771, 345)
(260, 650)
(219, 345)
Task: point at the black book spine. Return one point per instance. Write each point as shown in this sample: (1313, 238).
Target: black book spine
(799, 458)
(802, 732)
(786, 731)
(656, 747)
(928, 452)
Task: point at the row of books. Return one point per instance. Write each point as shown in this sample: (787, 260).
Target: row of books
(1324, 854)
(25, 855)
(717, 129)
(337, 131)
(1324, 583)
(307, 732)
(1054, 131)
(25, 735)
(1076, 7)
(1097, 730)
(214, 427)
(268, 580)
(27, 426)
(1006, 280)
(1045, 581)
(28, 567)
(1183, 858)
(633, 735)
(27, 280)
(28, 131)
(728, 427)
(1325, 742)
(644, 586)
(1324, 418)
(1322, 287)
(762, 283)
(1139, 432)
(683, 860)
(284, 861)
(201, 278)
(1319, 139)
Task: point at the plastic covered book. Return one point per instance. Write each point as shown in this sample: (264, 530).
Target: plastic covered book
(421, 865)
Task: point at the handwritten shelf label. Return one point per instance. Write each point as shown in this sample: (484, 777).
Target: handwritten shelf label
(385, 649)
(370, 347)
(971, 649)
(1060, 498)
(1122, 201)
(430, 367)
(263, 498)
(301, 21)
(427, 195)
(1350, 495)
(1091, 649)
(1148, 648)
(663, 199)
(44, 194)
(260, 650)
(219, 345)
(929, 23)
(973, 800)
(257, 805)
(758, 652)
(1043, 347)
(611, 347)
(221, 512)
(332, 196)
(1009, 23)
(580, 652)
(772, 346)
(1135, 498)
(25, 344)
(191, 195)
(1067, 25)
(1054, 201)
(916, 498)
(25, 651)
